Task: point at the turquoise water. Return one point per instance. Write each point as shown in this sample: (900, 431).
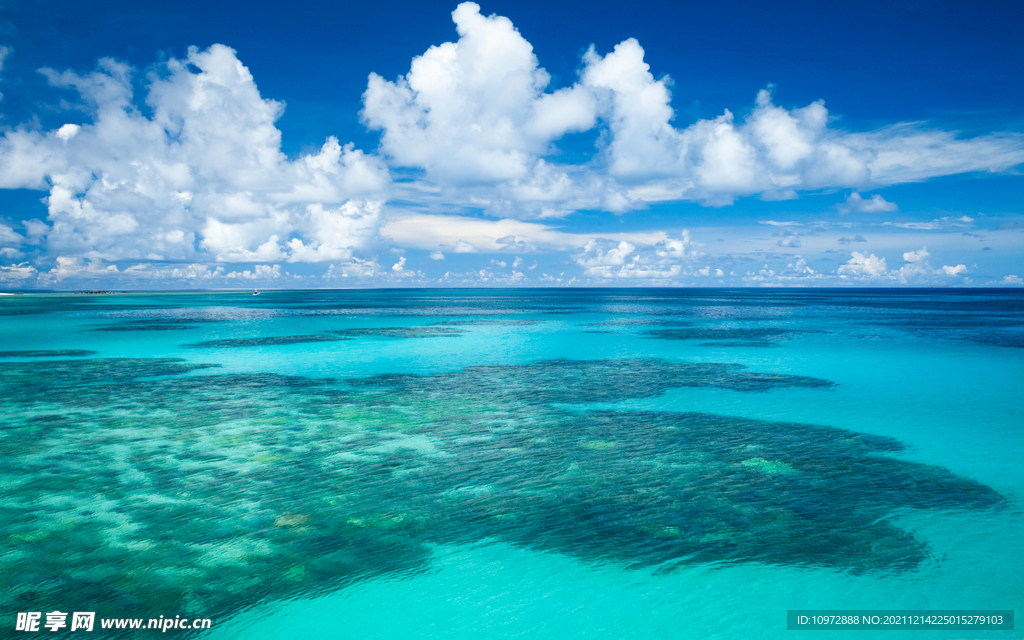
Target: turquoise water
(543, 464)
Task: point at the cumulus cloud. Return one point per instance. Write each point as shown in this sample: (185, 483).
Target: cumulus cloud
(190, 171)
(68, 131)
(916, 256)
(861, 265)
(474, 110)
(915, 269)
(478, 112)
(857, 204)
(1011, 279)
(17, 273)
(665, 259)
(201, 178)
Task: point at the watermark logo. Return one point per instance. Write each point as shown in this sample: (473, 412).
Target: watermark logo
(83, 620)
(56, 620)
(86, 620)
(28, 621)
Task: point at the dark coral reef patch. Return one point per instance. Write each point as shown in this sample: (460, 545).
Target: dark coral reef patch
(131, 486)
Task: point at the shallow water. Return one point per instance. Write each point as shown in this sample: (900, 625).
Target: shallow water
(599, 463)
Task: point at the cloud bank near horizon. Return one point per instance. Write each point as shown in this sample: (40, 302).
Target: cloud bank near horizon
(191, 175)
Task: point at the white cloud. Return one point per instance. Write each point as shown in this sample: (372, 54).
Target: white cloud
(794, 274)
(592, 255)
(399, 266)
(864, 266)
(333, 234)
(1011, 279)
(429, 231)
(475, 115)
(68, 131)
(474, 109)
(356, 268)
(916, 256)
(917, 270)
(259, 272)
(856, 204)
(17, 273)
(9, 236)
(196, 174)
(787, 238)
(76, 268)
(603, 258)
(202, 178)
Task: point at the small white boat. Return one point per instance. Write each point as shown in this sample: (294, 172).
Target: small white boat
(255, 292)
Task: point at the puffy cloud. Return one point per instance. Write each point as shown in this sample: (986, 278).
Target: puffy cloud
(916, 256)
(436, 255)
(477, 117)
(332, 234)
(259, 272)
(474, 110)
(603, 258)
(9, 236)
(857, 204)
(68, 131)
(76, 268)
(356, 268)
(860, 265)
(1011, 279)
(201, 178)
(17, 273)
(795, 273)
(592, 255)
(915, 270)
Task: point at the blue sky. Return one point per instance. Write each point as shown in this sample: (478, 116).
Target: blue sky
(210, 145)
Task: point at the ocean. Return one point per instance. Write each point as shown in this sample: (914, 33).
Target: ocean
(571, 463)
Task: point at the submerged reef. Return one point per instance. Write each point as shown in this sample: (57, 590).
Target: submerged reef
(48, 353)
(726, 337)
(400, 332)
(271, 341)
(131, 486)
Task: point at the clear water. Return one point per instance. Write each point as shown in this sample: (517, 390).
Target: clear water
(543, 464)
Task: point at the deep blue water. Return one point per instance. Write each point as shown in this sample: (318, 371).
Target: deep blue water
(512, 463)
